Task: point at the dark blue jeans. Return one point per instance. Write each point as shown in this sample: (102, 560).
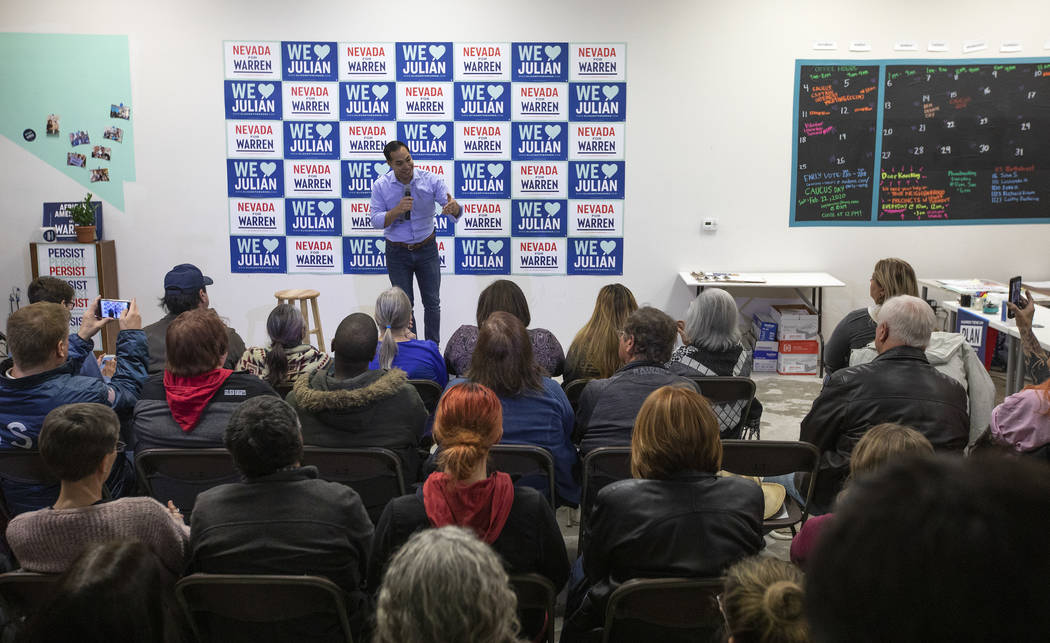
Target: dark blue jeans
(425, 264)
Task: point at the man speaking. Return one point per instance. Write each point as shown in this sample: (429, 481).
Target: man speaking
(403, 206)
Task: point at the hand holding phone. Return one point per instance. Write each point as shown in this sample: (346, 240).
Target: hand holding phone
(1014, 296)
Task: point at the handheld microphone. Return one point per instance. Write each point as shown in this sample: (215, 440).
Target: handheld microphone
(408, 193)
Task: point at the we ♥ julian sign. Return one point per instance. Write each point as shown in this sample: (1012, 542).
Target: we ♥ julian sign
(528, 136)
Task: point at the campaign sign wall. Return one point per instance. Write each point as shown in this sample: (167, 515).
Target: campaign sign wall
(248, 99)
(310, 140)
(255, 60)
(444, 170)
(540, 101)
(446, 255)
(482, 256)
(358, 177)
(424, 101)
(539, 256)
(593, 180)
(315, 255)
(482, 180)
(482, 101)
(257, 254)
(595, 141)
(366, 102)
(539, 141)
(597, 101)
(364, 255)
(365, 140)
(56, 215)
(599, 218)
(539, 218)
(539, 61)
(597, 61)
(257, 216)
(314, 217)
(539, 180)
(475, 140)
(357, 219)
(309, 61)
(444, 226)
(427, 139)
(254, 139)
(595, 256)
(482, 61)
(366, 61)
(429, 61)
(484, 218)
(305, 101)
(311, 178)
(258, 179)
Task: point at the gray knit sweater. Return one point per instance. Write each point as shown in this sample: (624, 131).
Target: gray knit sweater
(49, 540)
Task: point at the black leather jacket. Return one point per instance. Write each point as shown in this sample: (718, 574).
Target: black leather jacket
(693, 525)
(897, 386)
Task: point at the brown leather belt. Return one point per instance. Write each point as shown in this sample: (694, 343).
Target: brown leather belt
(412, 246)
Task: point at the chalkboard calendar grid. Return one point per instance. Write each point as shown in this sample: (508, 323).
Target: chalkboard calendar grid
(930, 142)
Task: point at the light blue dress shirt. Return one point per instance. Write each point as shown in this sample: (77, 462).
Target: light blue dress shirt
(427, 190)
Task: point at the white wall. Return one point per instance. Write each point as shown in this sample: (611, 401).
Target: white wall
(708, 133)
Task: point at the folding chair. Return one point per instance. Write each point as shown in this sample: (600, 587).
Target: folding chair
(26, 592)
(536, 597)
(601, 467)
(180, 475)
(229, 608)
(430, 391)
(573, 390)
(773, 458)
(23, 467)
(528, 465)
(668, 610)
(732, 398)
(373, 472)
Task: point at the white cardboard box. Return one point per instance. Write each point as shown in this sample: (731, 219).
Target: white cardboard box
(764, 366)
(795, 321)
(797, 363)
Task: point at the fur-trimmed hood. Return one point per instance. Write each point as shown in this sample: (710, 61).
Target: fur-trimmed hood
(318, 392)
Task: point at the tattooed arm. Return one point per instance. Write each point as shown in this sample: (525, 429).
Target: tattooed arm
(1037, 363)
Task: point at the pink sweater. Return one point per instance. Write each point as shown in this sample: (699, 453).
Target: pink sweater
(49, 540)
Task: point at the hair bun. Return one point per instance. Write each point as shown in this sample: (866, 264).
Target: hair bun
(783, 601)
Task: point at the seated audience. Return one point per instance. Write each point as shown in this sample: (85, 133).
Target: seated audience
(517, 521)
(898, 386)
(763, 602)
(446, 585)
(185, 288)
(595, 351)
(503, 295)
(710, 348)
(281, 519)
(79, 444)
(288, 357)
(952, 355)
(348, 405)
(39, 377)
(890, 278)
(936, 549)
(535, 408)
(607, 407)
(1022, 421)
(190, 403)
(398, 346)
(676, 518)
(58, 291)
(114, 591)
(1037, 363)
(882, 445)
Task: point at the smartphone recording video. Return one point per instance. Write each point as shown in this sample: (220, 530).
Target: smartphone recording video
(113, 308)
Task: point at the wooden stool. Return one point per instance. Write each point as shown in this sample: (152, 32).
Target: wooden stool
(301, 296)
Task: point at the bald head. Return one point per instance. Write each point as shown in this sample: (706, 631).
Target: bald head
(904, 321)
(355, 340)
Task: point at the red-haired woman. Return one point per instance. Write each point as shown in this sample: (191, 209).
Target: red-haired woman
(516, 521)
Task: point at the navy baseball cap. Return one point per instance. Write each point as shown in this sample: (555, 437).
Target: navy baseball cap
(186, 276)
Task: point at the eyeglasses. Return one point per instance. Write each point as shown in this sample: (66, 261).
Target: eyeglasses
(120, 447)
